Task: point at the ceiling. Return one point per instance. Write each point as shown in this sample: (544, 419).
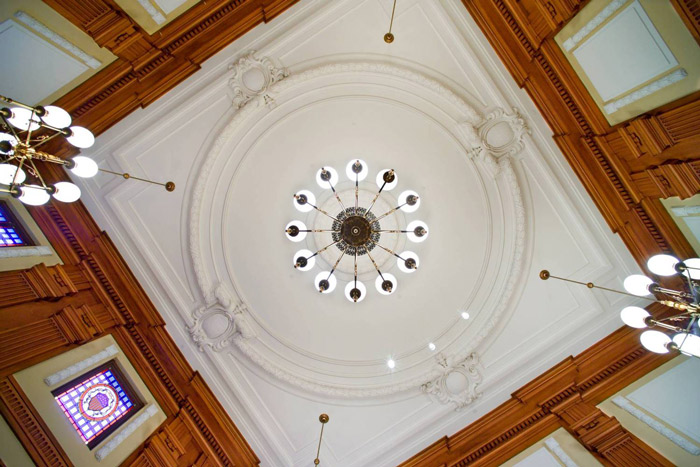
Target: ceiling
(244, 133)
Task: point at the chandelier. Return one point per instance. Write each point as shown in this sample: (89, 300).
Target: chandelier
(356, 231)
(23, 129)
(679, 332)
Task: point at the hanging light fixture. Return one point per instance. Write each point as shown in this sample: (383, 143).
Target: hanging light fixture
(389, 37)
(23, 129)
(323, 418)
(356, 231)
(680, 331)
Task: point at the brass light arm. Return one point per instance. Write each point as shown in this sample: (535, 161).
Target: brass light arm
(169, 186)
(544, 275)
(323, 418)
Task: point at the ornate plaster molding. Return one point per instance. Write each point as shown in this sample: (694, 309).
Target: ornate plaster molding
(125, 431)
(557, 450)
(260, 68)
(588, 28)
(466, 127)
(76, 368)
(156, 15)
(25, 251)
(220, 303)
(650, 88)
(467, 368)
(517, 126)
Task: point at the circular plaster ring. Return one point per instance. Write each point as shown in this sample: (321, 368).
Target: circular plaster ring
(414, 369)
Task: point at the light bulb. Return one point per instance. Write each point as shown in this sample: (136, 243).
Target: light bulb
(391, 363)
(329, 284)
(409, 263)
(663, 265)
(303, 200)
(431, 346)
(417, 231)
(355, 291)
(636, 284)
(9, 138)
(7, 174)
(465, 315)
(294, 231)
(694, 268)
(326, 176)
(303, 260)
(80, 137)
(389, 185)
(56, 117)
(386, 285)
(22, 119)
(84, 167)
(353, 166)
(655, 341)
(66, 192)
(634, 316)
(409, 201)
(33, 196)
(688, 344)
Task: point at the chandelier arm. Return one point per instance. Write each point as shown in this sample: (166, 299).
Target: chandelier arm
(29, 130)
(14, 102)
(391, 22)
(357, 192)
(389, 212)
(127, 176)
(37, 174)
(59, 132)
(670, 327)
(323, 249)
(375, 265)
(336, 195)
(12, 129)
(393, 231)
(342, 253)
(355, 267)
(544, 275)
(691, 286)
(387, 250)
(14, 177)
(374, 200)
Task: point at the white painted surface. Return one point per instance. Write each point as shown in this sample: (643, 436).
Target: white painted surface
(540, 458)
(169, 5)
(288, 353)
(32, 67)
(625, 53)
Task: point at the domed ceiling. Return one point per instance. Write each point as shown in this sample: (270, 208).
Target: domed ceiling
(317, 88)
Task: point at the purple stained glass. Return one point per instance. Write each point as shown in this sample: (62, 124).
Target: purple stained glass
(95, 404)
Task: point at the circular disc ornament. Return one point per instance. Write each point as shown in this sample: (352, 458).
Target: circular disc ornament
(98, 402)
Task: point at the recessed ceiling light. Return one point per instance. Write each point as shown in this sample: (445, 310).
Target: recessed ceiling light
(465, 315)
(431, 346)
(391, 363)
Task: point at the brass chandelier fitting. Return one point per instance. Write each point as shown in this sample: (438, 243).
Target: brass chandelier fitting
(356, 231)
(389, 37)
(323, 418)
(23, 129)
(682, 332)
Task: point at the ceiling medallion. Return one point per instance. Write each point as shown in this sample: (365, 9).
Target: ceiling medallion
(356, 231)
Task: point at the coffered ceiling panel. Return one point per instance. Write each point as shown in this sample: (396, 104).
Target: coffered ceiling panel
(320, 87)
(152, 15)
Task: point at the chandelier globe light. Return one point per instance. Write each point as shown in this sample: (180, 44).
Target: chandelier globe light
(23, 129)
(355, 231)
(678, 332)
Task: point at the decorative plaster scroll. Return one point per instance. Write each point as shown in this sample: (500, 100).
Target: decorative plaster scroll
(469, 120)
(252, 78)
(80, 366)
(156, 15)
(89, 60)
(25, 251)
(553, 446)
(125, 431)
(607, 12)
(650, 88)
(466, 370)
(219, 303)
(517, 126)
(657, 426)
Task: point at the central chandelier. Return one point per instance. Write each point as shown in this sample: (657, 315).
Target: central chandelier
(356, 231)
(23, 129)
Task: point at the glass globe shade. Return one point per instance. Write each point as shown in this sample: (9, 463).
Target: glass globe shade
(332, 281)
(81, 137)
(636, 284)
(352, 175)
(309, 261)
(388, 186)
(7, 174)
(688, 344)
(301, 235)
(56, 117)
(695, 272)
(412, 236)
(11, 139)
(310, 199)
(655, 341)
(22, 119)
(663, 265)
(84, 167)
(387, 277)
(33, 196)
(391, 363)
(326, 185)
(633, 316)
(66, 192)
(402, 265)
(464, 315)
(402, 201)
(361, 287)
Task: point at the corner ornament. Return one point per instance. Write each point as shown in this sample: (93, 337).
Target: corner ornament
(252, 78)
(219, 322)
(458, 382)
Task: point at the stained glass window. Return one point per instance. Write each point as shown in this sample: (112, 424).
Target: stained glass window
(11, 231)
(97, 402)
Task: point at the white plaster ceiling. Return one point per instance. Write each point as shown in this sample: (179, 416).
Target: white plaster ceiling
(498, 197)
